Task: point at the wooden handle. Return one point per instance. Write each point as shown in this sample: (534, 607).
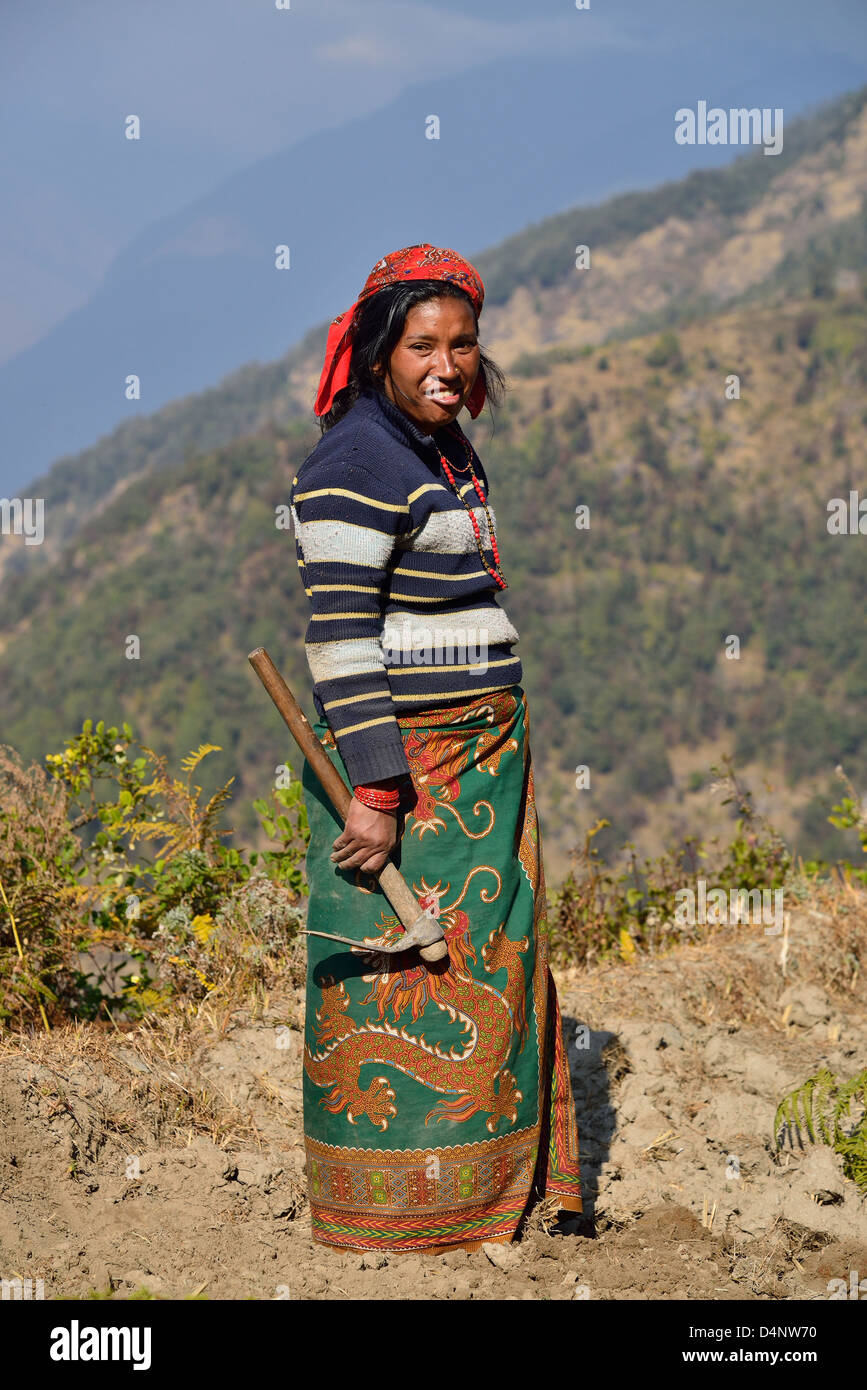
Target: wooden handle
(399, 893)
(391, 880)
(299, 727)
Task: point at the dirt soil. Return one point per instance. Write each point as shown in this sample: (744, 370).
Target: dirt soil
(171, 1160)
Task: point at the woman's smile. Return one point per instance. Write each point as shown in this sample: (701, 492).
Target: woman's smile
(445, 396)
(434, 366)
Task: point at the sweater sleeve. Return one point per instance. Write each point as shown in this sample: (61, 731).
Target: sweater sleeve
(346, 536)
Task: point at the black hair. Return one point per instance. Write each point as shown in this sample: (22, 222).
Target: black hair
(379, 324)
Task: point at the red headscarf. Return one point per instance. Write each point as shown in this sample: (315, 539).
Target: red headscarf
(420, 262)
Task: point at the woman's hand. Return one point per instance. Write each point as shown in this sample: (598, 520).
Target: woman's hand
(367, 838)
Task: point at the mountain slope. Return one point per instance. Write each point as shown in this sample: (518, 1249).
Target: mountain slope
(198, 292)
(757, 231)
(707, 520)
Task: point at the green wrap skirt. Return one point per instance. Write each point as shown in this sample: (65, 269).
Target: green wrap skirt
(437, 1103)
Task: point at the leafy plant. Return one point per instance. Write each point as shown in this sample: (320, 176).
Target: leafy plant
(850, 813)
(79, 887)
(247, 943)
(599, 912)
(757, 856)
(284, 818)
(666, 352)
(819, 1106)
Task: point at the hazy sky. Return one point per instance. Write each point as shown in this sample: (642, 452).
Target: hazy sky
(219, 84)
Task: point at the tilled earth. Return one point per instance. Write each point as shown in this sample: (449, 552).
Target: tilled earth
(137, 1159)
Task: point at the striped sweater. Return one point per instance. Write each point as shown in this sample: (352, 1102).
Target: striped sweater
(404, 616)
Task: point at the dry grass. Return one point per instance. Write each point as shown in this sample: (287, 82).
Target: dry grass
(763, 1264)
(722, 982)
(146, 1086)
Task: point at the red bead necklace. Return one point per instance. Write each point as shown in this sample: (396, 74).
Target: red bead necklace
(496, 573)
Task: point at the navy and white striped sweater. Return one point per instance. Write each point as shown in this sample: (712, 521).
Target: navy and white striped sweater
(404, 614)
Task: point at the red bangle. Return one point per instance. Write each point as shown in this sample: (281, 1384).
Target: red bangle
(377, 798)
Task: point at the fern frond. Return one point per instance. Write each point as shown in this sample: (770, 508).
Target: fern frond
(826, 1087)
(175, 837)
(210, 812)
(192, 760)
(148, 829)
(825, 1103)
(807, 1101)
(159, 761)
(846, 1095)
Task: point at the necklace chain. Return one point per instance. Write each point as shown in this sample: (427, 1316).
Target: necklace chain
(495, 573)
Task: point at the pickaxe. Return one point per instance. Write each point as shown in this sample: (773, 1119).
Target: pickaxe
(420, 924)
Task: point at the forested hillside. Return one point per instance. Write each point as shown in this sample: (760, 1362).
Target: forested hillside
(761, 228)
(700, 390)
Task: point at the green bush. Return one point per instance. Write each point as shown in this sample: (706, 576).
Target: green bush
(598, 912)
(104, 850)
(666, 352)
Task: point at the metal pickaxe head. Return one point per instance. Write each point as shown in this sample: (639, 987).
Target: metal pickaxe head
(425, 934)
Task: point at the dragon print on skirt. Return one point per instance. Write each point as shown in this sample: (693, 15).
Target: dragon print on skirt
(437, 1103)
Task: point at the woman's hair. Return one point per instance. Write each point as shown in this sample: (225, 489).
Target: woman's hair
(379, 324)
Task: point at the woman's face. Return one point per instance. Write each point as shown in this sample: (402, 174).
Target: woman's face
(434, 365)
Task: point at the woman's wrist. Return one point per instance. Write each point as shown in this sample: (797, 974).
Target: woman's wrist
(383, 795)
(378, 800)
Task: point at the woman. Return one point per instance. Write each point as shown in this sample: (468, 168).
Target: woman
(437, 1103)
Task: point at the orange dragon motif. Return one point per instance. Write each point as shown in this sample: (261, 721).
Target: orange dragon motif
(436, 759)
(471, 1076)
